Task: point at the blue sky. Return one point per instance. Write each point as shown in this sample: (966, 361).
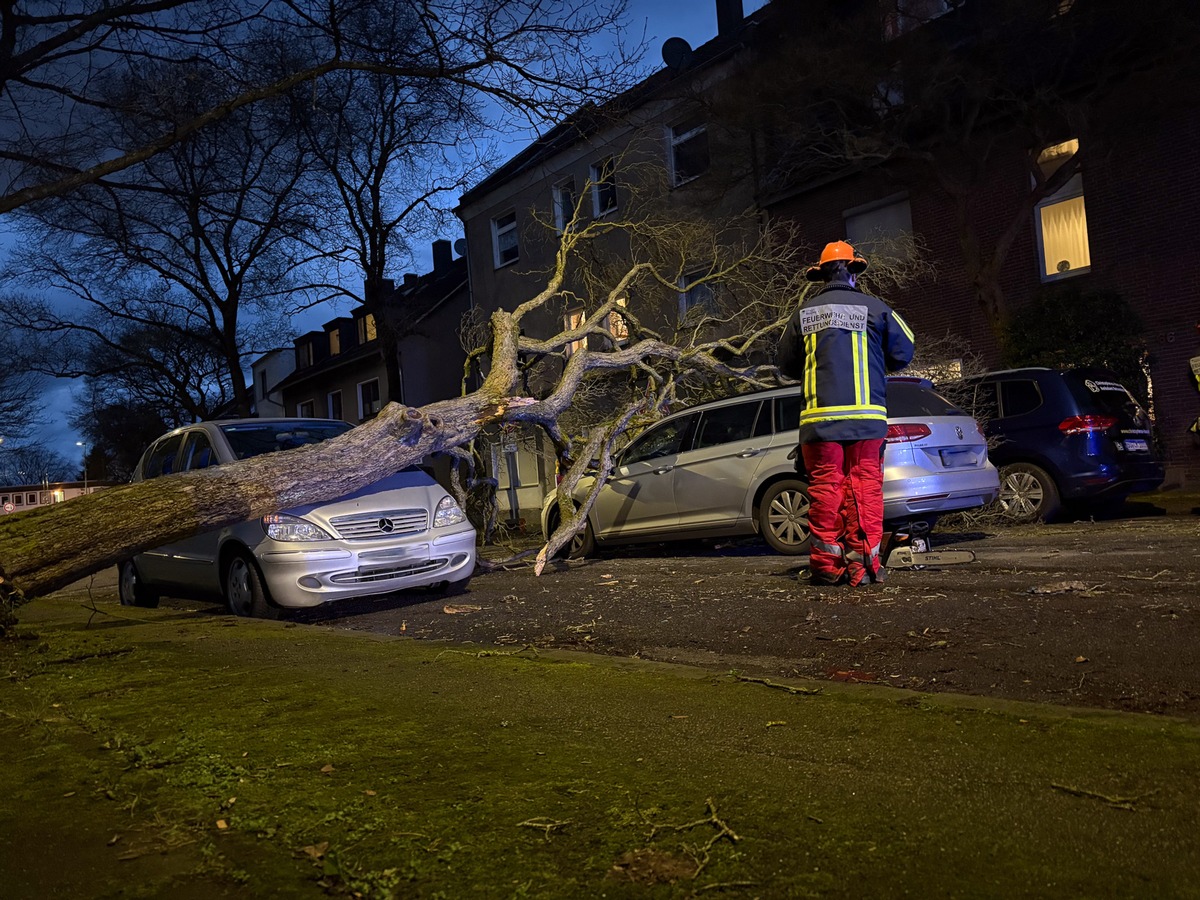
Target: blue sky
(693, 20)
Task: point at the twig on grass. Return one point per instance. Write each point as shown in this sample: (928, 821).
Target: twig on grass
(766, 682)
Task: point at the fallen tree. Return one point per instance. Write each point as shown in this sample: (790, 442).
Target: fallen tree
(44, 549)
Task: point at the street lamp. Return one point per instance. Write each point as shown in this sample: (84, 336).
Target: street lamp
(84, 446)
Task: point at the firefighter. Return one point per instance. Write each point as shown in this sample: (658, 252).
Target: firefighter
(841, 344)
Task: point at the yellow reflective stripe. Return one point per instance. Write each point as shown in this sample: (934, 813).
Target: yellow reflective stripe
(863, 394)
(869, 407)
(807, 418)
(857, 362)
(810, 370)
(904, 325)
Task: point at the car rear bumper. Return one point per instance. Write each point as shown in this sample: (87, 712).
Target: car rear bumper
(1108, 480)
(907, 498)
(308, 576)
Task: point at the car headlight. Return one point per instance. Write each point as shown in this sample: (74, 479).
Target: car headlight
(282, 527)
(448, 513)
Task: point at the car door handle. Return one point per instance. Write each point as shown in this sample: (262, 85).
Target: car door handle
(746, 454)
(664, 470)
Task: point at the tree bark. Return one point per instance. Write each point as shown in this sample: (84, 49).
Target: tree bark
(47, 548)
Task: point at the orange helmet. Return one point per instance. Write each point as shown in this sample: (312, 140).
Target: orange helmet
(838, 251)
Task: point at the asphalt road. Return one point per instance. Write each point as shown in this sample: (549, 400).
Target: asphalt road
(1096, 613)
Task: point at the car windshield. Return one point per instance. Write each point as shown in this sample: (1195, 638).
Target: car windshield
(255, 438)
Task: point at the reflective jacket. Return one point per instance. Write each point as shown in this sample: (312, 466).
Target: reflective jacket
(841, 344)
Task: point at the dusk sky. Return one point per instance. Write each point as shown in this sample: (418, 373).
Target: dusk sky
(693, 20)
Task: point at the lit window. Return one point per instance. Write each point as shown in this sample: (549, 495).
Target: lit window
(695, 296)
(883, 228)
(368, 399)
(366, 328)
(689, 151)
(504, 239)
(571, 321)
(1060, 220)
(618, 325)
(604, 186)
(564, 203)
(335, 342)
(306, 409)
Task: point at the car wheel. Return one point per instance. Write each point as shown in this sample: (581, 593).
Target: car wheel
(582, 544)
(783, 517)
(245, 593)
(1028, 493)
(450, 588)
(131, 589)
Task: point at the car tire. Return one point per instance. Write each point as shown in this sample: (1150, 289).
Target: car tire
(450, 588)
(582, 544)
(1028, 494)
(245, 593)
(783, 517)
(132, 590)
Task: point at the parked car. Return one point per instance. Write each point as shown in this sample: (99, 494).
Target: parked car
(726, 468)
(402, 532)
(1075, 436)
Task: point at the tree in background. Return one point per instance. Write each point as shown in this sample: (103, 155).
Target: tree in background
(1065, 327)
(843, 87)
(19, 388)
(57, 58)
(33, 464)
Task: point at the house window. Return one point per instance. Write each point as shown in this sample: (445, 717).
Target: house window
(335, 341)
(31, 499)
(571, 321)
(260, 382)
(564, 204)
(306, 409)
(618, 325)
(604, 186)
(304, 354)
(1060, 220)
(366, 328)
(18, 500)
(902, 16)
(882, 228)
(504, 239)
(689, 151)
(335, 404)
(3, 499)
(368, 399)
(694, 296)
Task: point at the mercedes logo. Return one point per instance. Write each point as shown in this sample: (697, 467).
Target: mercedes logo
(386, 526)
(958, 431)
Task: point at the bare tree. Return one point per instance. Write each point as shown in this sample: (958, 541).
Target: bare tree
(58, 57)
(184, 259)
(654, 366)
(18, 392)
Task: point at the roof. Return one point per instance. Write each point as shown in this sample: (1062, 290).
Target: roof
(592, 118)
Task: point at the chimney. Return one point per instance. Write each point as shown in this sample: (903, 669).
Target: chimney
(410, 279)
(729, 16)
(442, 256)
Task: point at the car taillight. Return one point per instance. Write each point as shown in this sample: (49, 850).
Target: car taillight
(1084, 424)
(913, 432)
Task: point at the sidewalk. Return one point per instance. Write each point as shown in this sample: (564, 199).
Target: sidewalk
(181, 754)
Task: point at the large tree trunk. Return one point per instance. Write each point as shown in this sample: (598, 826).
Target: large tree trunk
(44, 549)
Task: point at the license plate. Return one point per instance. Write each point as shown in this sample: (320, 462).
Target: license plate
(956, 459)
(1137, 445)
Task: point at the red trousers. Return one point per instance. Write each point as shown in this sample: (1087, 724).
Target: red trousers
(846, 516)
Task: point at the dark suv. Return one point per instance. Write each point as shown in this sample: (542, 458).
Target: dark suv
(1061, 437)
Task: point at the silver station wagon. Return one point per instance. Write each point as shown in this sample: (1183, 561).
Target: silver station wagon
(727, 468)
(402, 532)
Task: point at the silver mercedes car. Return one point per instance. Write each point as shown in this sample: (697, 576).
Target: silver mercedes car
(727, 468)
(402, 532)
